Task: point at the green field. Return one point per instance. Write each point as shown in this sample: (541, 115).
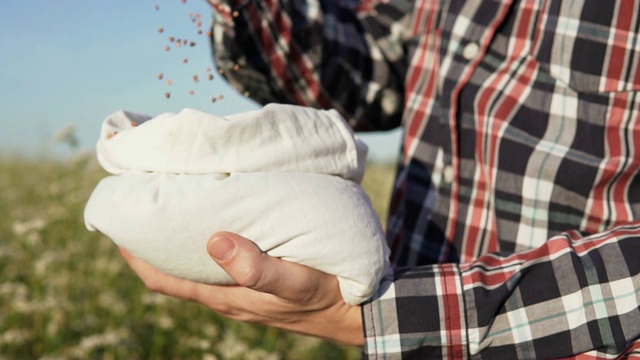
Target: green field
(65, 293)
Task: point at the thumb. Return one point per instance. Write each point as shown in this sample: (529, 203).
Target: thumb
(242, 260)
(250, 267)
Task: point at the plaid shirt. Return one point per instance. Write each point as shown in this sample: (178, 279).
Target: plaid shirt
(514, 220)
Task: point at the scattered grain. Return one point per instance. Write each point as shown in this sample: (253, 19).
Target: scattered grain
(160, 76)
(160, 30)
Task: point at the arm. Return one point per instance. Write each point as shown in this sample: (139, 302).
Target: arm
(574, 294)
(571, 296)
(316, 53)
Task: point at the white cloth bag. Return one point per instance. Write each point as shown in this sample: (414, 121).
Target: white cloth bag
(283, 176)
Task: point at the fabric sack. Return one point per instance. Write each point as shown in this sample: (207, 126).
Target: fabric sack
(283, 176)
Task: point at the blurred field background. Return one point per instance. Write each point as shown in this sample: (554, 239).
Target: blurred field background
(65, 293)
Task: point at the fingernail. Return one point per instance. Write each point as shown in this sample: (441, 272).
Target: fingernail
(222, 249)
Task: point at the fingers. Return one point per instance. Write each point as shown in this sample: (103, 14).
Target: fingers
(159, 282)
(252, 268)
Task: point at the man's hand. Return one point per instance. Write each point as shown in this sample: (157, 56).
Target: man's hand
(270, 291)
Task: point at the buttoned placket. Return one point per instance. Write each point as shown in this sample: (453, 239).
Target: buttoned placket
(465, 59)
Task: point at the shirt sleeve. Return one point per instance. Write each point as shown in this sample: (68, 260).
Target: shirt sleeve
(345, 55)
(577, 294)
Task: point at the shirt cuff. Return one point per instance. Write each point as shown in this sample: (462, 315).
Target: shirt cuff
(417, 313)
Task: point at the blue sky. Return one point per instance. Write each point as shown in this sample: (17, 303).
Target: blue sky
(69, 62)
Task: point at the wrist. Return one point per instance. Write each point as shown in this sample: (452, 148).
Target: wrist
(354, 333)
(347, 327)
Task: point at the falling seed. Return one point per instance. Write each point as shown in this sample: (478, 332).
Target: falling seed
(167, 95)
(191, 92)
(185, 60)
(192, 43)
(208, 33)
(178, 43)
(171, 39)
(169, 82)
(134, 124)
(109, 136)
(184, 1)
(160, 76)
(184, 41)
(246, 93)
(160, 30)
(208, 69)
(220, 96)
(220, 71)
(236, 67)
(235, 13)
(210, 76)
(213, 99)
(196, 78)
(198, 23)
(199, 31)
(166, 48)
(157, 7)
(198, 15)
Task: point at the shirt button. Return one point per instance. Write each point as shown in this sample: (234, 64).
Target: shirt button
(447, 174)
(471, 50)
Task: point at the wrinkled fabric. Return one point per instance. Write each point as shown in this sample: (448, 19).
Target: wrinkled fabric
(285, 177)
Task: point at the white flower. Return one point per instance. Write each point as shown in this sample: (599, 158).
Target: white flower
(21, 228)
(165, 322)
(95, 341)
(231, 346)
(15, 336)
